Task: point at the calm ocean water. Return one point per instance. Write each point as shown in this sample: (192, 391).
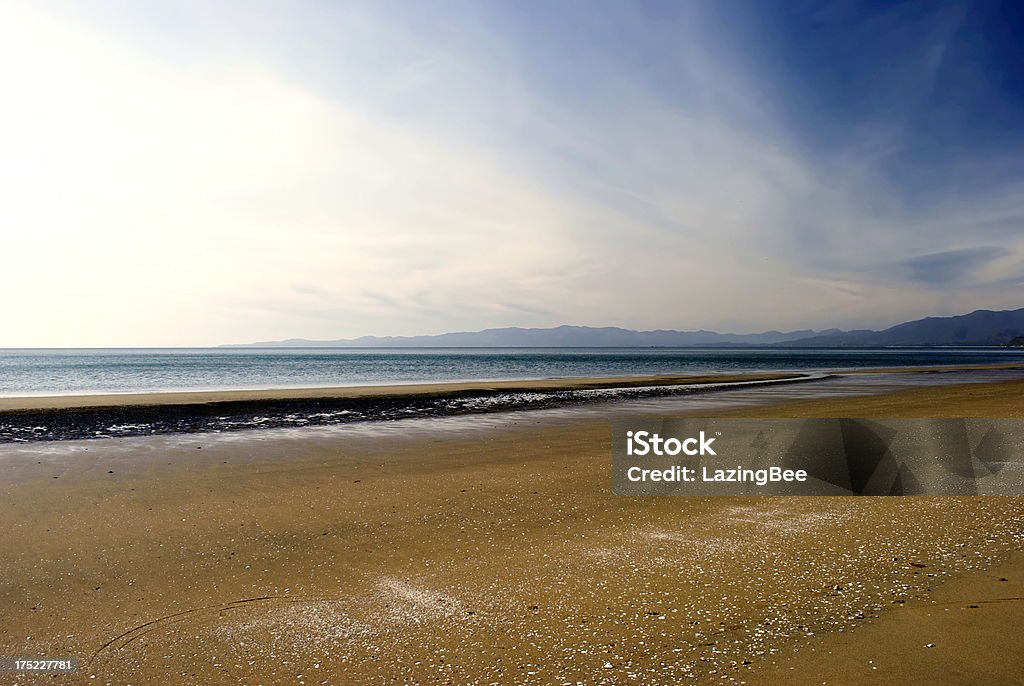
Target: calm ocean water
(41, 372)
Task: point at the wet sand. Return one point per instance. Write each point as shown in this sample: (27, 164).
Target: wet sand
(55, 418)
(394, 554)
(421, 390)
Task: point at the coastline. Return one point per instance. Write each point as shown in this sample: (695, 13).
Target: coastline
(420, 390)
(438, 555)
(86, 417)
(436, 389)
(75, 417)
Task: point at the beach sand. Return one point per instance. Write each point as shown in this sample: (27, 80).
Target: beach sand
(491, 551)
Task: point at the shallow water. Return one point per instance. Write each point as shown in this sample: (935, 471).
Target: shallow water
(72, 371)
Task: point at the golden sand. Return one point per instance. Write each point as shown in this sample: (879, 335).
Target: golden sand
(382, 555)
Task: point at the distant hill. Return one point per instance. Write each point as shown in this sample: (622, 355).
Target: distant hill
(559, 336)
(981, 327)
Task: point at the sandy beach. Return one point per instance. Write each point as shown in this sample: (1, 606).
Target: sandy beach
(512, 343)
(490, 550)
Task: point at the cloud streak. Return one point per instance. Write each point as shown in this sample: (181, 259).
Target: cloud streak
(951, 266)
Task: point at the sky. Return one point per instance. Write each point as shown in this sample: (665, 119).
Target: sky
(197, 173)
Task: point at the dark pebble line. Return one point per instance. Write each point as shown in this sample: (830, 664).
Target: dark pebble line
(20, 426)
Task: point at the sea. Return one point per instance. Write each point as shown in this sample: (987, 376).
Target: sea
(90, 371)
(94, 371)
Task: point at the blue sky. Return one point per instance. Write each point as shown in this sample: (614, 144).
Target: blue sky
(198, 173)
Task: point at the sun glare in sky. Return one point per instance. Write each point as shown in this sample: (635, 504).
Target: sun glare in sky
(204, 173)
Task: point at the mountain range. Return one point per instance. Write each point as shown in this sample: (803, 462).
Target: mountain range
(981, 327)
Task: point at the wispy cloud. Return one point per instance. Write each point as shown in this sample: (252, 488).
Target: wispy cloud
(201, 173)
(951, 266)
